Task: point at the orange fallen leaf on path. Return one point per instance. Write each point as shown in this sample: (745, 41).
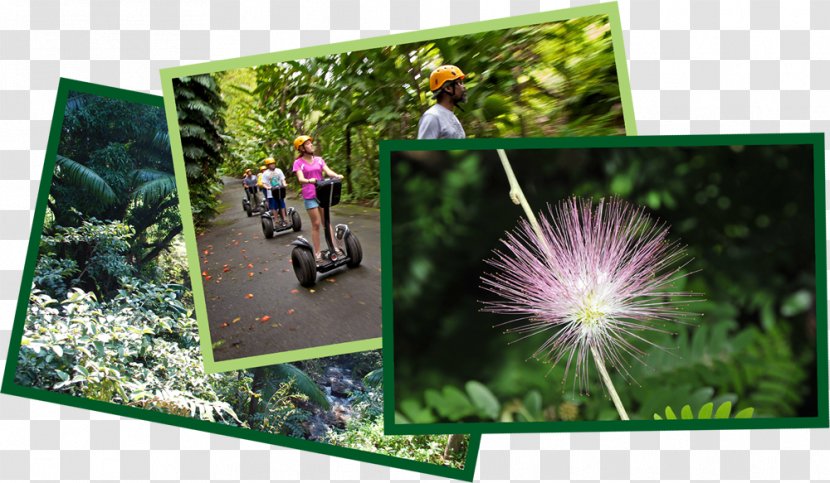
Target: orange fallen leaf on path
(250, 265)
(226, 269)
(290, 311)
(295, 291)
(250, 274)
(208, 277)
(265, 318)
(204, 274)
(331, 280)
(224, 324)
(249, 296)
(206, 252)
(236, 320)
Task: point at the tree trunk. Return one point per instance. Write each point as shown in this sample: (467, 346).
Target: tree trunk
(349, 188)
(256, 387)
(454, 442)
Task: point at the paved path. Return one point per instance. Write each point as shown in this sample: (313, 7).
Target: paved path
(255, 304)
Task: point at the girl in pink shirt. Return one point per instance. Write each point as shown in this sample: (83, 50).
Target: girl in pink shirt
(310, 169)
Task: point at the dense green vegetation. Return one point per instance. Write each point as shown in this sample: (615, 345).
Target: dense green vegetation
(746, 215)
(556, 79)
(110, 315)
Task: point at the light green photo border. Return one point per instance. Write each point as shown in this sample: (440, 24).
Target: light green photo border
(814, 139)
(11, 387)
(167, 76)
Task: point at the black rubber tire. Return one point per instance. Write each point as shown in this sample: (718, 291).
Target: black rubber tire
(244, 206)
(353, 250)
(249, 209)
(296, 222)
(304, 267)
(267, 227)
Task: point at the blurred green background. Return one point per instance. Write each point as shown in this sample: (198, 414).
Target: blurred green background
(745, 212)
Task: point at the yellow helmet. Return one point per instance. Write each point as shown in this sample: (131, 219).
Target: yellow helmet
(443, 74)
(262, 168)
(269, 161)
(301, 140)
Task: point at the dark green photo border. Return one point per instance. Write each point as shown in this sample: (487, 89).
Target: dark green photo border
(10, 387)
(814, 139)
(167, 76)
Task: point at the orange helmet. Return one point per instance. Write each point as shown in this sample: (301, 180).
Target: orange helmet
(444, 74)
(301, 140)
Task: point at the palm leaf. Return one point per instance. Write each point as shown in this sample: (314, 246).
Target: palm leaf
(162, 139)
(156, 188)
(302, 383)
(86, 178)
(374, 378)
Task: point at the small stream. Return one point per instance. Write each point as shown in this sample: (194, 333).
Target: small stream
(338, 384)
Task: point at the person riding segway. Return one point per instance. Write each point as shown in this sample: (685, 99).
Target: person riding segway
(319, 195)
(274, 180)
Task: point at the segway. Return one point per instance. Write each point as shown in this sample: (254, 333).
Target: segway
(247, 206)
(269, 227)
(306, 267)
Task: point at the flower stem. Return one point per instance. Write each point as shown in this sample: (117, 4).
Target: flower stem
(518, 198)
(609, 385)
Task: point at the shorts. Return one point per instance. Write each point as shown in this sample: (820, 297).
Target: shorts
(311, 203)
(276, 204)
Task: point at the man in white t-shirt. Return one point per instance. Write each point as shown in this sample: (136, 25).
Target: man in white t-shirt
(439, 121)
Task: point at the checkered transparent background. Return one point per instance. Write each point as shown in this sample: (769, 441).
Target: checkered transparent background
(698, 66)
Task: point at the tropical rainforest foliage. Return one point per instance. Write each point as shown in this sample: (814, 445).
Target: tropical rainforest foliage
(110, 315)
(746, 215)
(556, 79)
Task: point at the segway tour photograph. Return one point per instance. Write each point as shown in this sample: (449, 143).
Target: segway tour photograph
(307, 277)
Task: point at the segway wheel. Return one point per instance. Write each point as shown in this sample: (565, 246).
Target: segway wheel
(296, 223)
(249, 210)
(353, 251)
(304, 267)
(244, 204)
(267, 227)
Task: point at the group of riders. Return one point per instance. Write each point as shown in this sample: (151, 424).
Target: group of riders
(438, 122)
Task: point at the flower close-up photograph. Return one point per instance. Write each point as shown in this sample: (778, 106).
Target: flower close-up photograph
(630, 280)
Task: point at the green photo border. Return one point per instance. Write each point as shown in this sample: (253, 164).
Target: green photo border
(814, 139)
(10, 387)
(167, 76)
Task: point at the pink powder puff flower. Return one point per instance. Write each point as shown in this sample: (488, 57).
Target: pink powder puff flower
(602, 276)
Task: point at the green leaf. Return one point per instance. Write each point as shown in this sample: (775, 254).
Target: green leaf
(745, 413)
(64, 376)
(686, 412)
(483, 399)
(86, 179)
(706, 411)
(374, 378)
(416, 413)
(723, 410)
(533, 403)
(303, 383)
(796, 303)
(670, 413)
(58, 350)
